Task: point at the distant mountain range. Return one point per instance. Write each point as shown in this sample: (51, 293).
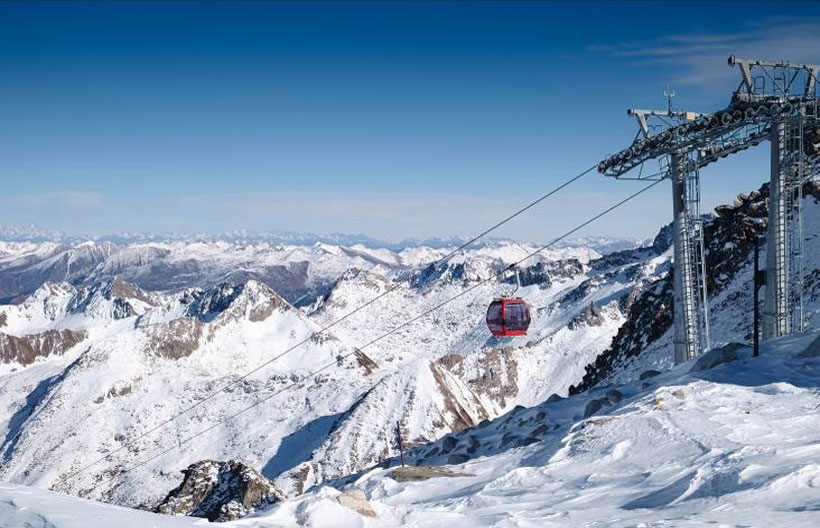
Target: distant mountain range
(33, 233)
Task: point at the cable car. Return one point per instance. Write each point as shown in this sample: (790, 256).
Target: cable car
(508, 317)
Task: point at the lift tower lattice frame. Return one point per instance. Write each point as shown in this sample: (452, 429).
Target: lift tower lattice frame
(775, 102)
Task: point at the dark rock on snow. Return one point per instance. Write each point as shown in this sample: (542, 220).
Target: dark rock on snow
(220, 491)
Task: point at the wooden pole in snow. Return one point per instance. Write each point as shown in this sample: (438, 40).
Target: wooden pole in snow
(758, 281)
(401, 446)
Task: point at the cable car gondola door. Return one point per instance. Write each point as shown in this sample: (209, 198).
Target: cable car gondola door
(495, 318)
(516, 317)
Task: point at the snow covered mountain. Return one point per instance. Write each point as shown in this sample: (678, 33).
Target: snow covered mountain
(98, 362)
(297, 272)
(32, 233)
(115, 340)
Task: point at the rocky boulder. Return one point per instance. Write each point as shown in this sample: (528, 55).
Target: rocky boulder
(220, 491)
(357, 501)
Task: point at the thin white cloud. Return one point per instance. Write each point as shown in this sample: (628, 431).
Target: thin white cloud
(66, 199)
(701, 57)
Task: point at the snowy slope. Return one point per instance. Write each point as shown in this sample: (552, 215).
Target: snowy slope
(709, 442)
(66, 411)
(733, 444)
(145, 356)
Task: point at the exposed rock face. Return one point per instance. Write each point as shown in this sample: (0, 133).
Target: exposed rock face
(494, 374)
(458, 414)
(176, 339)
(546, 273)
(589, 316)
(252, 300)
(126, 299)
(210, 310)
(543, 274)
(365, 361)
(663, 241)
(352, 279)
(212, 302)
(26, 349)
(353, 443)
(220, 491)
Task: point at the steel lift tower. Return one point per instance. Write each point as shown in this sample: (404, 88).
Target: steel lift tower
(776, 101)
(780, 84)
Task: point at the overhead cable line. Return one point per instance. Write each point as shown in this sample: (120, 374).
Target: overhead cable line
(324, 329)
(382, 336)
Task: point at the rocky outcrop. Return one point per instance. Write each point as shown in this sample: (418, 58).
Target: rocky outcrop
(460, 409)
(589, 316)
(123, 300)
(419, 473)
(545, 274)
(175, 339)
(207, 311)
(252, 300)
(812, 351)
(210, 303)
(425, 400)
(717, 356)
(219, 491)
(493, 374)
(352, 280)
(364, 361)
(26, 349)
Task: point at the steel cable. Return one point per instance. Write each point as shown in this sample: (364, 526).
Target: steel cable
(377, 339)
(324, 329)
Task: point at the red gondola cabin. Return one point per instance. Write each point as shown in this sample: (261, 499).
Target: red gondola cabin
(508, 317)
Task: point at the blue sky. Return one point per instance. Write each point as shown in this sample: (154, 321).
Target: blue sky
(394, 119)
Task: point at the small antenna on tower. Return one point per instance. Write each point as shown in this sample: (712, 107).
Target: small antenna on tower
(669, 94)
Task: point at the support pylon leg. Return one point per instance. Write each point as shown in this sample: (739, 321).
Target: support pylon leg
(685, 287)
(776, 301)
